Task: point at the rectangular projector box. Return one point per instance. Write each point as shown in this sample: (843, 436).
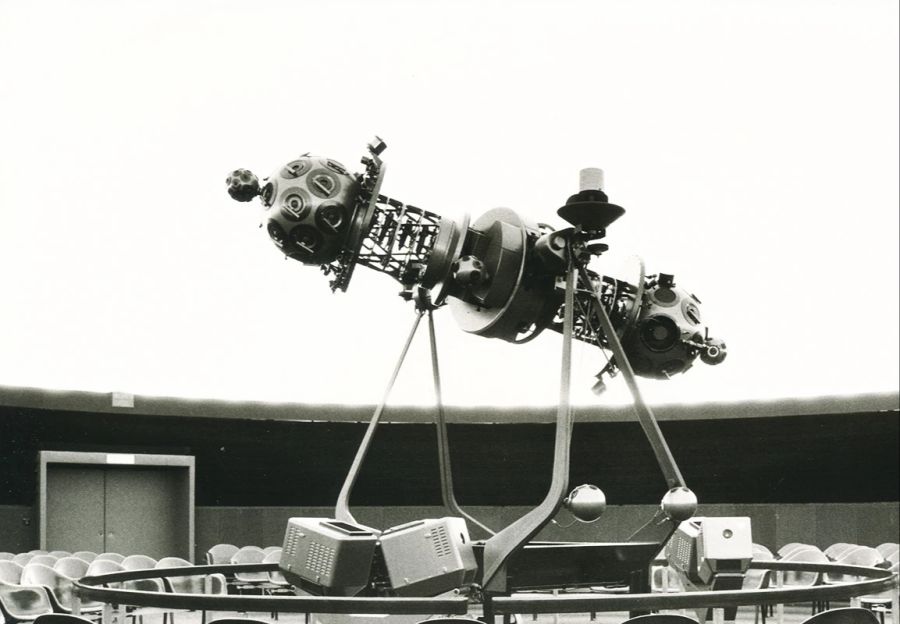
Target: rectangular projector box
(705, 546)
(428, 557)
(331, 555)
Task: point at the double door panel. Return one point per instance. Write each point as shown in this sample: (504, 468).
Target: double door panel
(124, 509)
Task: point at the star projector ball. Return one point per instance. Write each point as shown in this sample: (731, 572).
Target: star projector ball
(669, 334)
(586, 502)
(307, 204)
(242, 185)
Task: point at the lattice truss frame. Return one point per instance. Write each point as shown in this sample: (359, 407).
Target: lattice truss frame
(399, 240)
(615, 294)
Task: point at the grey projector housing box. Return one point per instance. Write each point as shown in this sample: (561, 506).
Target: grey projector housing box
(334, 556)
(428, 557)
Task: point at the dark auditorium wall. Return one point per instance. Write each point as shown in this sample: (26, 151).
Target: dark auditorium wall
(807, 465)
(800, 459)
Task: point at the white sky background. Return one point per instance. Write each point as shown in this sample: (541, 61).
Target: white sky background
(753, 144)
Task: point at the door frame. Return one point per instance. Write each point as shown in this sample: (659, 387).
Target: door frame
(119, 460)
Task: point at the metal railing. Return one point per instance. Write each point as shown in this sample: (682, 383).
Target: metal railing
(874, 581)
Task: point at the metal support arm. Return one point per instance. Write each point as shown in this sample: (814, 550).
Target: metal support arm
(447, 493)
(342, 508)
(645, 415)
(499, 548)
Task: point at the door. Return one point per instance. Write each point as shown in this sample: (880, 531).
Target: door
(91, 501)
(143, 514)
(75, 511)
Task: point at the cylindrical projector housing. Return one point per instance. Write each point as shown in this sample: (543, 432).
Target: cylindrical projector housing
(501, 275)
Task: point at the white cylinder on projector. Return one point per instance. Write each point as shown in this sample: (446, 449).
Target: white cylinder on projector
(590, 179)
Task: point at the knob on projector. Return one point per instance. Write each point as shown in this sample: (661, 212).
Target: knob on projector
(469, 271)
(586, 502)
(679, 504)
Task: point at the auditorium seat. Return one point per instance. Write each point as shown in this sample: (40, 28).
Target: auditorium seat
(6, 556)
(790, 547)
(193, 584)
(661, 618)
(754, 578)
(143, 562)
(847, 615)
(663, 579)
(86, 555)
(220, 554)
(59, 588)
(23, 558)
(61, 618)
(448, 620)
(858, 556)
(59, 554)
(759, 579)
(880, 603)
(889, 550)
(836, 551)
(47, 560)
(99, 567)
(271, 549)
(138, 562)
(276, 583)
(276, 578)
(72, 567)
(173, 562)
(110, 556)
(22, 603)
(249, 580)
(805, 554)
(10, 572)
(210, 584)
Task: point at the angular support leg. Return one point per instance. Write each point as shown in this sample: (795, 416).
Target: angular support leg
(499, 547)
(342, 508)
(447, 493)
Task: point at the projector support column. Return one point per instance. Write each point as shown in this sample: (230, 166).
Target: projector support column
(499, 548)
(447, 493)
(645, 415)
(342, 508)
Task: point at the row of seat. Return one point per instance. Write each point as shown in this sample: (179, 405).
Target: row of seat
(262, 582)
(50, 556)
(664, 579)
(884, 555)
(64, 618)
(229, 553)
(217, 555)
(45, 583)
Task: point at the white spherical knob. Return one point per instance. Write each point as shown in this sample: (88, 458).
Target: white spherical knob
(679, 504)
(586, 502)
